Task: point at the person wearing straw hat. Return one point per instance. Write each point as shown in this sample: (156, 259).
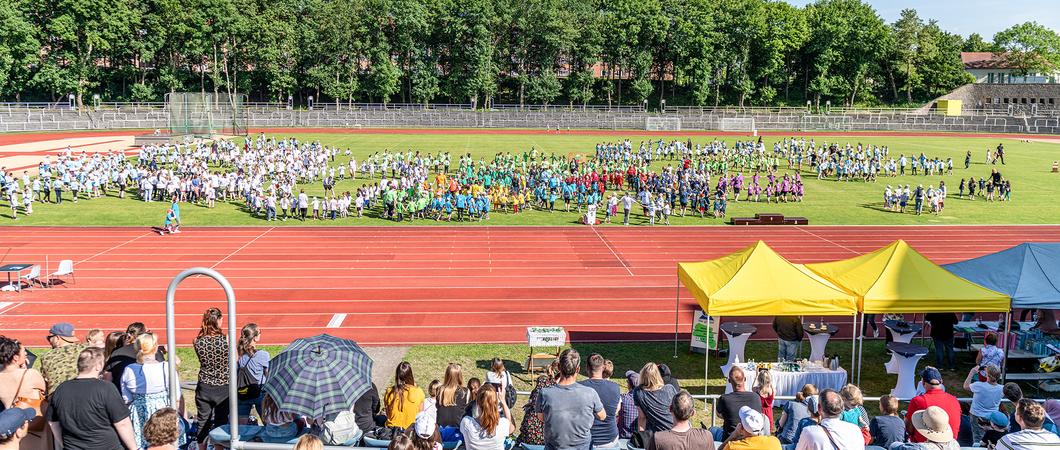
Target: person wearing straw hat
(934, 424)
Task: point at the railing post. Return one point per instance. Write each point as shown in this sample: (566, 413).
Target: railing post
(171, 340)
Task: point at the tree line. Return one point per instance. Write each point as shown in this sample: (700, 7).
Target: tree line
(631, 52)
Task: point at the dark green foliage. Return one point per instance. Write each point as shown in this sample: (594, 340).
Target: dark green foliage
(573, 52)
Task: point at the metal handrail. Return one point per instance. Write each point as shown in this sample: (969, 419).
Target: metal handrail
(171, 339)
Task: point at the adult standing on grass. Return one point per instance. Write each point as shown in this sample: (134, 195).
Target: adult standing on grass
(942, 336)
(568, 409)
(303, 204)
(86, 413)
(789, 335)
(627, 204)
(604, 432)
(211, 392)
(682, 436)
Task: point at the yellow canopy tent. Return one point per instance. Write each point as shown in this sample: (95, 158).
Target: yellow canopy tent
(756, 281)
(898, 279)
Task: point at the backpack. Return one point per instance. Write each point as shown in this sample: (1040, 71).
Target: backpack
(509, 394)
(247, 388)
(340, 429)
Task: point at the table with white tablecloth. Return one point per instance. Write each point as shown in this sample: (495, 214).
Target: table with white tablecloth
(789, 383)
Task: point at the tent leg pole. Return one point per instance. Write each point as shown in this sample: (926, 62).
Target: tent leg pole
(853, 344)
(677, 315)
(706, 361)
(1004, 341)
(861, 346)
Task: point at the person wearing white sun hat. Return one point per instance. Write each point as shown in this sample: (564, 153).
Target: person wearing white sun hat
(752, 433)
(934, 424)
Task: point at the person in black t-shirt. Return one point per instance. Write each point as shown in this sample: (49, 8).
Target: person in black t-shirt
(942, 335)
(729, 404)
(87, 413)
(366, 410)
(789, 335)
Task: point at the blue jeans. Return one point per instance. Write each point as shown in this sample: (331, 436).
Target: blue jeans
(945, 346)
(787, 350)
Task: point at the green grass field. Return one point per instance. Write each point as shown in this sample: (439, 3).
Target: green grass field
(827, 202)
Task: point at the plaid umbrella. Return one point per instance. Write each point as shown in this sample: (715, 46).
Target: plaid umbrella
(319, 376)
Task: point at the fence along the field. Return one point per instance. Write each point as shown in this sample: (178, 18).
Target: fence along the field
(206, 114)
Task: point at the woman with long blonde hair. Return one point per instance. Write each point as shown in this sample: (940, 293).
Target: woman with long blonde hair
(452, 397)
(653, 398)
(145, 385)
(489, 425)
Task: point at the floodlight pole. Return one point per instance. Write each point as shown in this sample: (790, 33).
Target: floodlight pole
(171, 340)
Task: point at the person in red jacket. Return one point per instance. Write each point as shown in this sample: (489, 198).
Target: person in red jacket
(933, 395)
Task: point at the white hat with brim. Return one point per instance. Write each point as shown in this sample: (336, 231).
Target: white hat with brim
(934, 424)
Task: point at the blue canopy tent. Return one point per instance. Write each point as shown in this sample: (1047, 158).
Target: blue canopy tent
(1026, 272)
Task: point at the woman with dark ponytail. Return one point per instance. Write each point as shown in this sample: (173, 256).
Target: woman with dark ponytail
(253, 369)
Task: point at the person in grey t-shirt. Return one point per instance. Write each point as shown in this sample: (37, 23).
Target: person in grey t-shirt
(568, 408)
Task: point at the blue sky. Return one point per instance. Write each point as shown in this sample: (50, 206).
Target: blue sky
(965, 17)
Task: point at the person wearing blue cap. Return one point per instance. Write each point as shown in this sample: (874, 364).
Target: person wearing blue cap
(60, 364)
(14, 425)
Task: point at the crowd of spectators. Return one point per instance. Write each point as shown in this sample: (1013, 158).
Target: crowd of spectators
(110, 391)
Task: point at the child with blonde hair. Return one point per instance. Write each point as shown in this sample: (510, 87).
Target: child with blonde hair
(764, 388)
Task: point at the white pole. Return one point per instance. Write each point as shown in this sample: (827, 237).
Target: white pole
(861, 346)
(706, 356)
(1004, 342)
(853, 342)
(677, 314)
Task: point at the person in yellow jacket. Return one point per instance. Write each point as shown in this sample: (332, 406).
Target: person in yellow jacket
(404, 399)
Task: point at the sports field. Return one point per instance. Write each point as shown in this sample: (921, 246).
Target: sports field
(830, 202)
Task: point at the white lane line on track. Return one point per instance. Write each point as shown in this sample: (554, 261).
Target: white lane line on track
(855, 252)
(241, 248)
(6, 307)
(620, 260)
(114, 247)
(336, 320)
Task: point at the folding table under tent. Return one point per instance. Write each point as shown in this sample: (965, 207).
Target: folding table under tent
(756, 281)
(898, 279)
(1027, 272)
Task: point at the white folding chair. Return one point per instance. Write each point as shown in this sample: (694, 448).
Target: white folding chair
(33, 275)
(66, 268)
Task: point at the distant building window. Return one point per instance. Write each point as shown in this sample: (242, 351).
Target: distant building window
(990, 77)
(997, 100)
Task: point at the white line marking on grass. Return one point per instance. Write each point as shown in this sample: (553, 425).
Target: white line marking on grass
(336, 320)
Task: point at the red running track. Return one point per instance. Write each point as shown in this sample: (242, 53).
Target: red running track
(408, 285)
